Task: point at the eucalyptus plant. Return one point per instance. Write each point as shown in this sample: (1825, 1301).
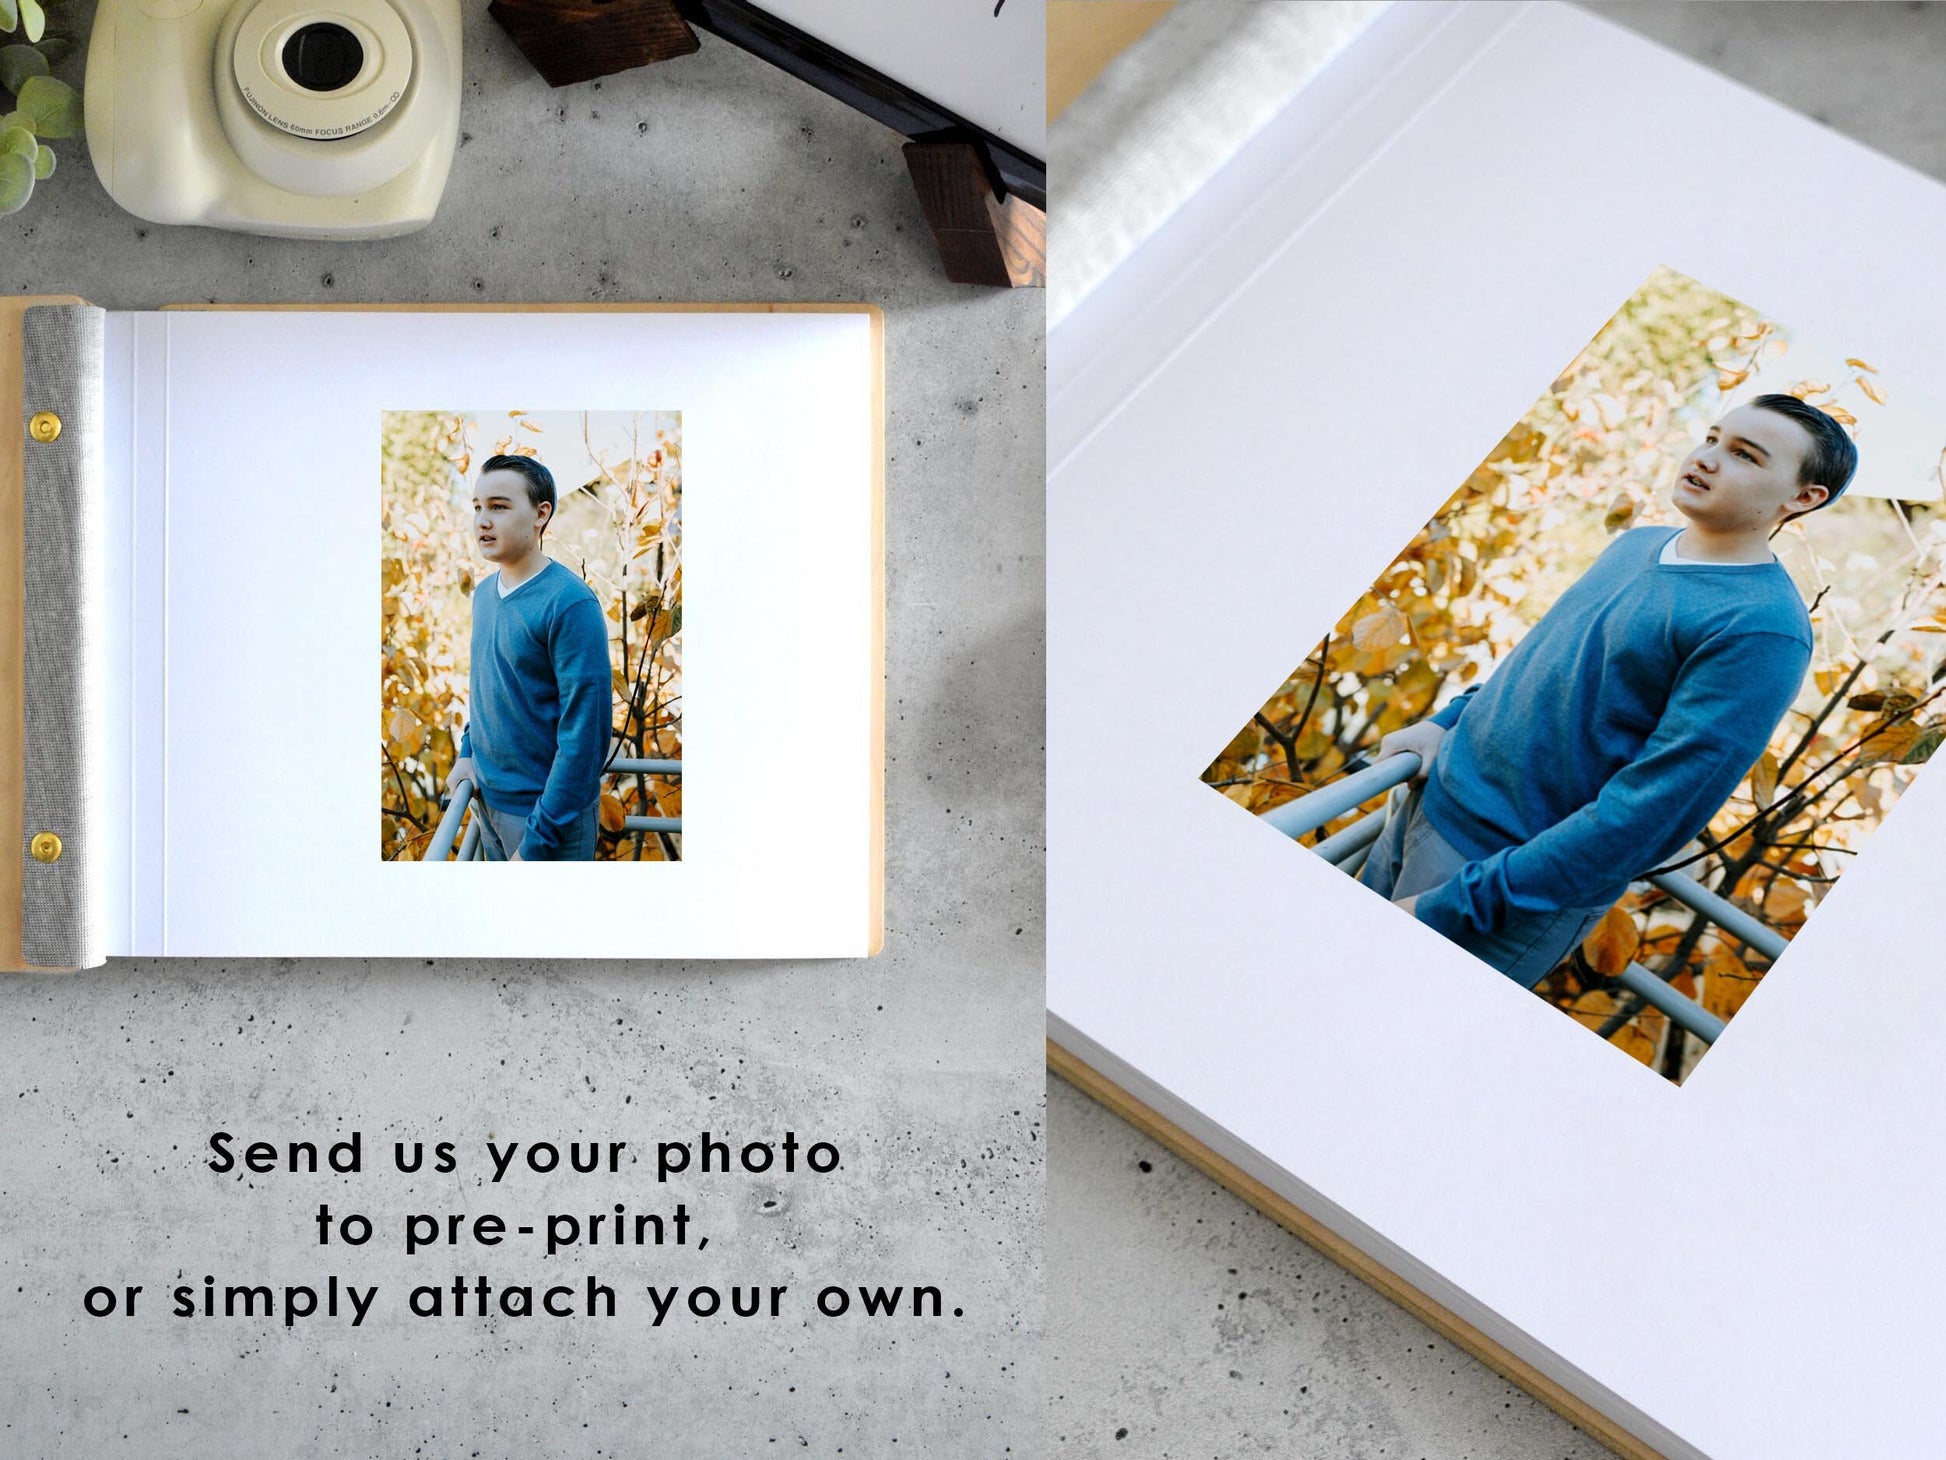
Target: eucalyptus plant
(44, 107)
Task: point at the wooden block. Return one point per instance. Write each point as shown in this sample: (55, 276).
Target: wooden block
(578, 40)
(983, 238)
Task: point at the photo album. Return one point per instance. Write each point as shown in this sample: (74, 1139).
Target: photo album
(1497, 640)
(301, 598)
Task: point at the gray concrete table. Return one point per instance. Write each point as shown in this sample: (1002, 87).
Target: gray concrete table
(712, 178)
(1182, 1322)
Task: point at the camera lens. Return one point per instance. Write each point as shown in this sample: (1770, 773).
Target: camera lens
(323, 56)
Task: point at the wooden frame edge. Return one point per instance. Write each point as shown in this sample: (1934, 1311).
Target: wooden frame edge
(875, 830)
(1313, 1233)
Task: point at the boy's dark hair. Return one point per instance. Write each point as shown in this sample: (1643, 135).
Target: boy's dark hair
(1832, 459)
(540, 481)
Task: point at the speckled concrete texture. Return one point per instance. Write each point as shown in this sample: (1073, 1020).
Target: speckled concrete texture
(1184, 1324)
(713, 177)
(1208, 1330)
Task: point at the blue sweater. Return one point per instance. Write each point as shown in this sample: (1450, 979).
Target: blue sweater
(538, 712)
(1613, 732)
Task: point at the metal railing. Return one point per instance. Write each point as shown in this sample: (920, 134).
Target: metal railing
(465, 794)
(1347, 847)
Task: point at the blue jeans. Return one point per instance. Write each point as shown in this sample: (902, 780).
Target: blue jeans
(1410, 857)
(577, 843)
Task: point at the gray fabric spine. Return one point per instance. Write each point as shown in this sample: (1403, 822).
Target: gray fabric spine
(61, 350)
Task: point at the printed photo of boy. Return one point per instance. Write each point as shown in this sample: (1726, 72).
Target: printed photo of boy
(537, 724)
(1635, 697)
(530, 636)
(1626, 717)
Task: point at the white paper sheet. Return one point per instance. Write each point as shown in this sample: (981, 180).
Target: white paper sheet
(261, 556)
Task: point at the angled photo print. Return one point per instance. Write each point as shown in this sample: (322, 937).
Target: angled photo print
(1626, 709)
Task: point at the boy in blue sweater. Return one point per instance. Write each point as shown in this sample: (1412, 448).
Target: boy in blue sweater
(538, 711)
(1624, 719)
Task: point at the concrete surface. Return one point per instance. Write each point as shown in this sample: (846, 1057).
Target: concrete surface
(1204, 1329)
(712, 177)
(1183, 1323)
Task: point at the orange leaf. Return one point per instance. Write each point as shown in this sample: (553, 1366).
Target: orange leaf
(1858, 364)
(1763, 779)
(1379, 629)
(405, 731)
(1637, 1038)
(1786, 902)
(1621, 512)
(1593, 1007)
(1611, 947)
(1729, 380)
(1890, 742)
(1642, 1035)
(1726, 982)
(613, 816)
(1872, 392)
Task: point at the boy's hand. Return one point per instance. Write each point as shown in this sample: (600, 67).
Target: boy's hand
(463, 770)
(1424, 738)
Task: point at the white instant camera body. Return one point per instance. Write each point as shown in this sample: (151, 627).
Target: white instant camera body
(302, 118)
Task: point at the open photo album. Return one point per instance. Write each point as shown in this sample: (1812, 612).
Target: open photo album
(1497, 589)
(300, 599)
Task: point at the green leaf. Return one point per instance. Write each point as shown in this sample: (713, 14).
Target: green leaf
(1921, 749)
(16, 119)
(16, 182)
(57, 48)
(33, 20)
(54, 105)
(17, 63)
(9, 15)
(44, 164)
(19, 142)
